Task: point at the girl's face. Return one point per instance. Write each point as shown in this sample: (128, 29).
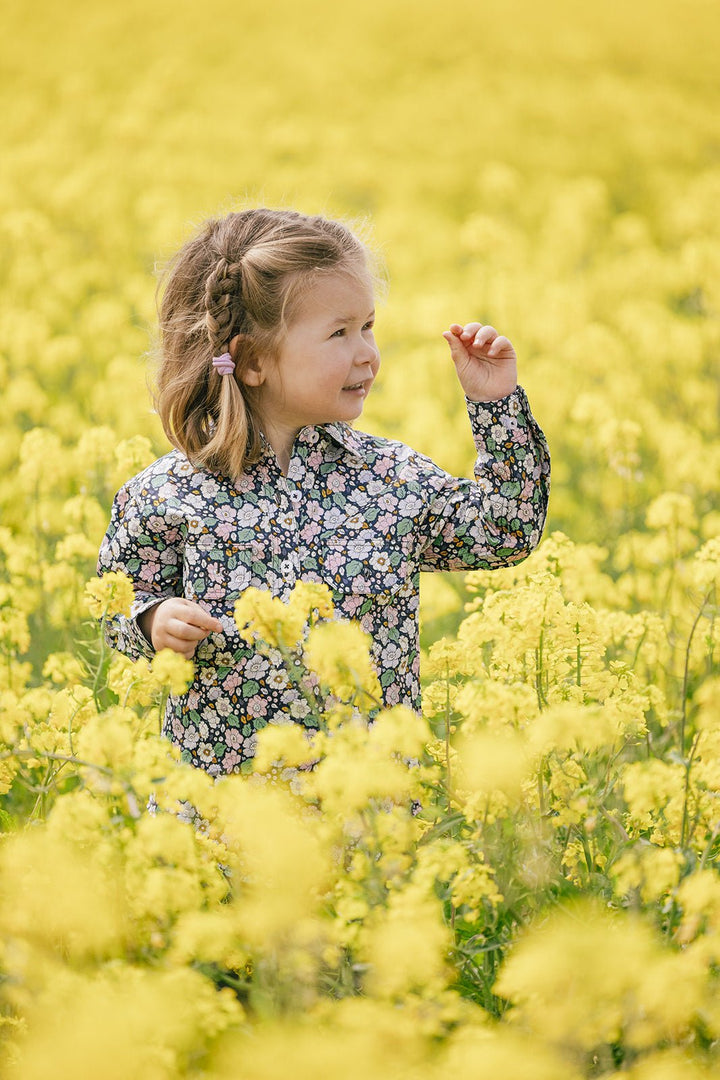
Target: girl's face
(328, 360)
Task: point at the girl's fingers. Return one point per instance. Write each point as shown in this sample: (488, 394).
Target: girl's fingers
(457, 349)
(498, 345)
(179, 624)
(185, 631)
(484, 334)
(179, 645)
(196, 615)
(188, 651)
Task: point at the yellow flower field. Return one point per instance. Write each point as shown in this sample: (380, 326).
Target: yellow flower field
(523, 882)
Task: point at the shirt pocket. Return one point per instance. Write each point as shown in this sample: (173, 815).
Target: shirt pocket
(218, 568)
(367, 566)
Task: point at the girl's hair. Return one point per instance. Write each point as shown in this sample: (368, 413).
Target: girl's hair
(244, 274)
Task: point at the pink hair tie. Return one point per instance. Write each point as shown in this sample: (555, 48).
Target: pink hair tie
(224, 364)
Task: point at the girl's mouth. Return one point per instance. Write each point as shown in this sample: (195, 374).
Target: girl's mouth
(359, 387)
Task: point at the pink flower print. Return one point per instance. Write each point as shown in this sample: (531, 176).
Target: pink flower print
(147, 553)
(309, 532)
(225, 530)
(257, 706)
(386, 523)
(334, 561)
(217, 589)
(231, 761)
(336, 481)
(149, 571)
(232, 681)
(392, 695)
(314, 459)
(387, 501)
(351, 603)
(234, 738)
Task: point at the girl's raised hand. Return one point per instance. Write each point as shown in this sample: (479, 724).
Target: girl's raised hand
(486, 363)
(178, 624)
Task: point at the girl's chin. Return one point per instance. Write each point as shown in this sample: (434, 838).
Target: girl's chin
(351, 403)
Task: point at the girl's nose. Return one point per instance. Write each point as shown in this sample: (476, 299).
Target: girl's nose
(369, 353)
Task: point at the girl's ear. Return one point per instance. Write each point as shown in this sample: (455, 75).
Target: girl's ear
(249, 366)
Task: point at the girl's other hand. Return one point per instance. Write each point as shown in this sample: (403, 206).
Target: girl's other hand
(178, 624)
(486, 363)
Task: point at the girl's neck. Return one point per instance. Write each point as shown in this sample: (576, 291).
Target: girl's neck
(281, 439)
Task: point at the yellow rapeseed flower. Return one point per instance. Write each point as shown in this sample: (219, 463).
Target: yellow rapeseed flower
(111, 594)
(259, 615)
(170, 669)
(339, 652)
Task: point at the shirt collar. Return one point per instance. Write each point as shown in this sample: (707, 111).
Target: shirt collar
(345, 436)
(341, 433)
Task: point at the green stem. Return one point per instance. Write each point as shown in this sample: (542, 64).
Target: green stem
(100, 663)
(447, 737)
(688, 767)
(686, 675)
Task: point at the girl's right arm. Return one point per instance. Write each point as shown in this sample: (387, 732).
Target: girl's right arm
(144, 543)
(145, 540)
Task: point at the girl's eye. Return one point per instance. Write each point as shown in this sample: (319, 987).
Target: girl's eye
(341, 333)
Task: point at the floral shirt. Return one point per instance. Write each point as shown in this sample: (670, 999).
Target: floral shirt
(361, 513)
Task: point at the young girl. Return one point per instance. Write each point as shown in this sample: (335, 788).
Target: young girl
(267, 357)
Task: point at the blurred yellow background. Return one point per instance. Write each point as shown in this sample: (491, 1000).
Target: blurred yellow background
(551, 169)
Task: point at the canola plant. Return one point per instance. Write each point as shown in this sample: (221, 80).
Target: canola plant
(523, 881)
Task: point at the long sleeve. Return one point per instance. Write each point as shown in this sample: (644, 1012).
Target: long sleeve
(143, 540)
(497, 518)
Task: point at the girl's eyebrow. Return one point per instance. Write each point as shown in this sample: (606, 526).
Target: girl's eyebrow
(353, 318)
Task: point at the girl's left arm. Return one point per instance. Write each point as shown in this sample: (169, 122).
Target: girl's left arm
(496, 519)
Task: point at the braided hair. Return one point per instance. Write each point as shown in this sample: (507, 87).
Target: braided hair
(234, 287)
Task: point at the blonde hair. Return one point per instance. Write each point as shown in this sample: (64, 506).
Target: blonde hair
(244, 274)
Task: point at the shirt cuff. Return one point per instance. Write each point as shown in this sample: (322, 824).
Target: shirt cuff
(137, 638)
(510, 405)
